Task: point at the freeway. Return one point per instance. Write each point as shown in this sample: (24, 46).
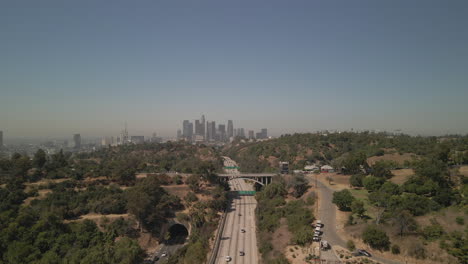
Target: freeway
(240, 216)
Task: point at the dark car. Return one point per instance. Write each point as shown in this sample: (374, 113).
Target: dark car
(362, 252)
(241, 253)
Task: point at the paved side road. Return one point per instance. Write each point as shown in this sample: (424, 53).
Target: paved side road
(327, 214)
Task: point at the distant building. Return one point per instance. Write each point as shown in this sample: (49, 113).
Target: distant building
(230, 129)
(1, 139)
(124, 136)
(284, 167)
(251, 134)
(241, 133)
(137, 139)
(155, 139)
(222, 132)
(210, 131)
(77, 141)
(199, 139)
(202, 126)
(106, 141)
(197, 127)
(327, 169)
(179, 134)
(311, 168)
(263, 134)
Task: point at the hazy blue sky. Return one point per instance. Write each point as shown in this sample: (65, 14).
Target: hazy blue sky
(88, 66)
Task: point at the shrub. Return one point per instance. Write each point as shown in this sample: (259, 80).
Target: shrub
(432, 232)
(376, 238)
(460, 220)
(350, 245)
(395, 249)
(417, 250)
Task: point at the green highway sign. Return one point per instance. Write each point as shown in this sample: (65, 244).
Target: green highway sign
(246, 192)
(232, 167)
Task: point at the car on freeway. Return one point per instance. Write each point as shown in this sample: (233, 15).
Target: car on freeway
(240, 215)
(363, 252)
(242, 230)
(228, 258)
(241, 253)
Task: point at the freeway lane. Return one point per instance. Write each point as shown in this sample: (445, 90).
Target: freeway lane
(240, 215)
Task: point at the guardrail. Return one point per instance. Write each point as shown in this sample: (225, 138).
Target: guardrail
(214, 253)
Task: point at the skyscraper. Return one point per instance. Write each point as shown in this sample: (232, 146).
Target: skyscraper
(242, 133)
(187, 130)
(251, 134)
(179, 134)
(222, 132)
(230, 129)
(197, 127)
(77, 140)
(1, 139)
(190, 131)
(124, 135)
(210, 130)
(264, 133)
(202, 126)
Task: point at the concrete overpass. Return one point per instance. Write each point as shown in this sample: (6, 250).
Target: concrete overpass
(260, 178)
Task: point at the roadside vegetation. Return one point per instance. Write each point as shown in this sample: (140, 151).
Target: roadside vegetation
(91, 208)
(280, 219)
(402, 189)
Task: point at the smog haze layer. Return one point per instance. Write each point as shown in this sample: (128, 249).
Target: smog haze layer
(291, 66)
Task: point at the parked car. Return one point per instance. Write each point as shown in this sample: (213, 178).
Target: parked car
(316, 238)
(363, 252)
(324, 245)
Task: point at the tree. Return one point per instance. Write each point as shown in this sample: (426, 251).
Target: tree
(304, 236)
(356, 180)
(390, 188)
(357, 207)
(191, 197)
(138, 204)
(343, 199)
(380, 169)
(39, 159)
(193, 182)
(405, 222)
(372, 183)
(376, 238)
(354, 163)
(300, 185)
(433, 169)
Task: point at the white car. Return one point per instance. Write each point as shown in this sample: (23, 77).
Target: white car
(228, 258)
(164, 254)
